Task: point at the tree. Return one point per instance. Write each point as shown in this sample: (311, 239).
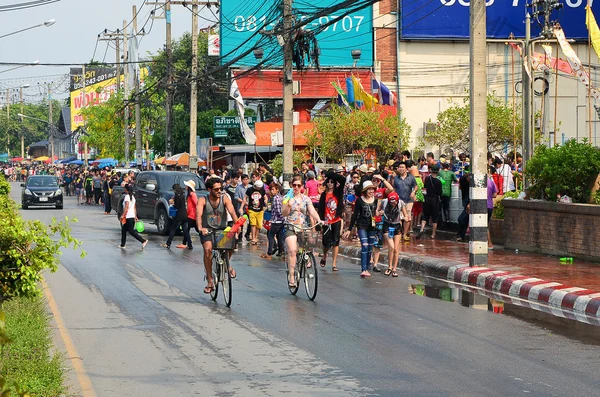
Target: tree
(453, 126)
(341, 132)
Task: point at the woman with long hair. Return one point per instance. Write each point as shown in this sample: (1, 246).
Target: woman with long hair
(393, 212)
(331, 209)
(296, 210)
(364, 219)
(128, 218)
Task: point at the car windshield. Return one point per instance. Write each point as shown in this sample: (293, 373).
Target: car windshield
(41, 182)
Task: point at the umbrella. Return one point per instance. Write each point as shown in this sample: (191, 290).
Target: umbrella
(76, 162)
(68, 160)
(159, 160)
(49, 160)
(16, 159)
(181, 159)
(41, 158)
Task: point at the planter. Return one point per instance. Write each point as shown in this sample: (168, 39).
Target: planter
(497, 231)
(553, 228)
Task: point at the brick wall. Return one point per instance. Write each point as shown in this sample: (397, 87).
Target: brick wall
(386, 53)
(387, 6)
(553, 228)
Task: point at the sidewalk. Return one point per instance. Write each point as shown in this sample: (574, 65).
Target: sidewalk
(540, 280)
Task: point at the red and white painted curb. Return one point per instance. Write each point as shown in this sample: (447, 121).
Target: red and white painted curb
(571, 302)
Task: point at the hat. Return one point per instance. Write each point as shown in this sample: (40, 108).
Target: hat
(339, 168)
(191, 184)
(390, 163)
(367, 185)
(372, 169)
(203, 167)
(258, 184)
(393, 196)
(363, 168)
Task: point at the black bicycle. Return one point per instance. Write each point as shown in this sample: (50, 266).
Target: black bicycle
(306, 264)
(223, 243)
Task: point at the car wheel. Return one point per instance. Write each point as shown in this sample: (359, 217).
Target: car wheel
(24, 207)
(59, 207)
(162, 222)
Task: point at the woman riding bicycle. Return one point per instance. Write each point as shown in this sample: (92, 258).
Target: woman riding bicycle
(296, 210)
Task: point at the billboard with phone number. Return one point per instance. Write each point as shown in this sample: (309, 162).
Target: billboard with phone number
(241, 22)
(449, 19)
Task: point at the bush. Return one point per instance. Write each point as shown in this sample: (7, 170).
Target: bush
(25, 358)
(27, 248)
(569, 170)
(4, 187)
(277, 163)
(498, 212)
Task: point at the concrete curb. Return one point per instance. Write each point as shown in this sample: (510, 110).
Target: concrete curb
(571, 302)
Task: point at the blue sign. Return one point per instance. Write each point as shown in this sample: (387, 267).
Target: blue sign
(243, 20)
(449, 19)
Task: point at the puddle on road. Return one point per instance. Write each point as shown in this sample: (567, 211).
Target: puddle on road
(573, 326)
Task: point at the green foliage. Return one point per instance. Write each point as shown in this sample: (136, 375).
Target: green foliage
(454, 124)
(27, 361)
(4, 187)
(498, 212)
(570, 170)
(341, 132)
(277, 163)
(27, 248)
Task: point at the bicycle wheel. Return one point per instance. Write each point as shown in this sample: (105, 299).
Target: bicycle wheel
(294, 290)
(216, 270)
(311, 280)
(226, 279)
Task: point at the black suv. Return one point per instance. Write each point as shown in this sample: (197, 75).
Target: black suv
(152, 191)
(41, 190)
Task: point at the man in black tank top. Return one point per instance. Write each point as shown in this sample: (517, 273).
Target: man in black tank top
(211, 215)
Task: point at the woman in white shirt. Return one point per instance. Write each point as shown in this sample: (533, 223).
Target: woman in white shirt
(506, 172)
(129, 218)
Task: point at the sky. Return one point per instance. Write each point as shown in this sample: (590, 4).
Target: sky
(73, 37)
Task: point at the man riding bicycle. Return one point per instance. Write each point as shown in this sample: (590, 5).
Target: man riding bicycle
(210, 214)
(296, 211)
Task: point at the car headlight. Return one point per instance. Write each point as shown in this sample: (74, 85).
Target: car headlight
(58, 192)
(27, 191)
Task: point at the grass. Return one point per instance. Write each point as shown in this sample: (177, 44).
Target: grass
(28, 359)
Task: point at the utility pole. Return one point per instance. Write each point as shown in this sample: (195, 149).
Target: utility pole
(526, 93)
(138, 110)
(288, 95)
(116, 37)
(85, 144)
(126, 94)
(50, 123)
(478, 246)
(169, 90)
(194, 92)
(22, 135)
(8, 122)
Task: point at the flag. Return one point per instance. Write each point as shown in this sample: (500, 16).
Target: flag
(350, 89)
(342, 98)
(247, 132)
(593, 29)
(361, 95)
(385, 96)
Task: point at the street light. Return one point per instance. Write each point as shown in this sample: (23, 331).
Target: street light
(45, 24)
(8, 115)
(21, 66)
(356, 56)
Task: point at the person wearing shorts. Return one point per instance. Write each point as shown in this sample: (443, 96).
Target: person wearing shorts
(405, 186)
(331, 209)
(211, 215)
(256, 202)
(393, 212)
(296, 210)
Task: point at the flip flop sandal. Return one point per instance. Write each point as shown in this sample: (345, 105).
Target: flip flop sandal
(232, 272)
(265, 256)
(335, 269)
(208, 289)
(387, 272)
(322, 263)
(394, 274)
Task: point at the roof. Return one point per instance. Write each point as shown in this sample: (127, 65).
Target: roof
(43, 143)
(64, 122)
(249, 149)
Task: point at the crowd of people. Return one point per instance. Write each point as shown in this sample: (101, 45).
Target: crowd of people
(378, 206)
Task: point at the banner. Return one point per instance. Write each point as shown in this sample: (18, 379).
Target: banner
(214, 45)
(575, 63)
(247, 132)
(594, 32)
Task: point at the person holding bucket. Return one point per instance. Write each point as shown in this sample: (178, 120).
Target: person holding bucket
(129, 218)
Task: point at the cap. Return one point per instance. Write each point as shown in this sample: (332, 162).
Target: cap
(339, 168)
(372, 169)
(393, 196)
(191, 184)
(390, 163)
(258, 184)
(367, 185)
(203, 167)
(363, 168)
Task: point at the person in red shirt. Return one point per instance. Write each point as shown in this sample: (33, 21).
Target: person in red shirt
(331, 210)
(192, 202)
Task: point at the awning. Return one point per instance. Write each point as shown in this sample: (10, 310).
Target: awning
(16, 159)
(232, 149)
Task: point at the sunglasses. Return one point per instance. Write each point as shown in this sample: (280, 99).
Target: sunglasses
(216, 189)
(297, 185)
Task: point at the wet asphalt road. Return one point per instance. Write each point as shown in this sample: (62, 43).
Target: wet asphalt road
(143, 327)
